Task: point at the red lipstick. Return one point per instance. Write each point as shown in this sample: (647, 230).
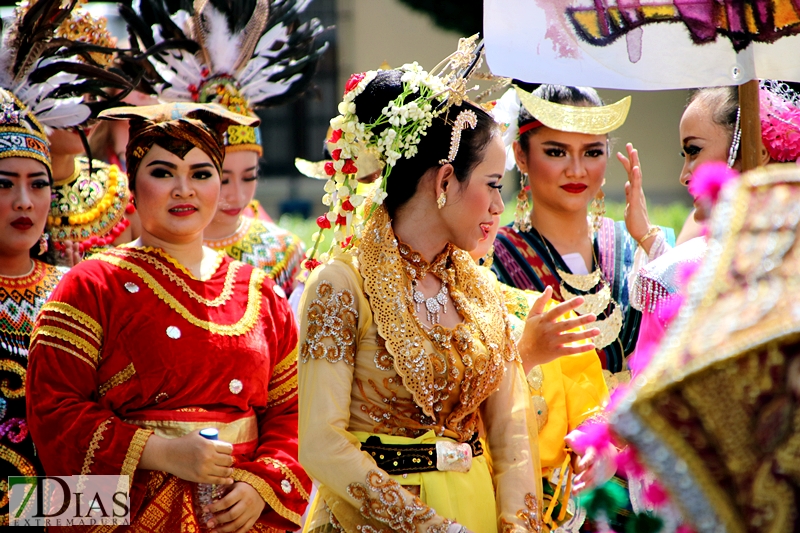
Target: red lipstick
(575, 188)
(232, 212)
(183, 210)
(22, 223)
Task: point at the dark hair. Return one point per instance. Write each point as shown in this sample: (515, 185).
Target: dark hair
(49, 256)
(435, 145)
(723, 103)
(558, 94)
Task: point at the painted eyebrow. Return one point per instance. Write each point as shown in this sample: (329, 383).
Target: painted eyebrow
(556, 144)
(201, 165)
(164, 163)
(17, 175)
(498, 176)
(690, 138)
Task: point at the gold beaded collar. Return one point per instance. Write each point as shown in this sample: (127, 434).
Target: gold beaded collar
(416, 266)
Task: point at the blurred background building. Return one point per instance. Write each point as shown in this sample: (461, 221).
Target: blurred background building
(365, 34)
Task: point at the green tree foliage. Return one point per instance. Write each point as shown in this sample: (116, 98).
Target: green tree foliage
(461, 16)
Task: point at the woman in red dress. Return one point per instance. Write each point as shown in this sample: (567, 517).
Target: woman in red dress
(142, 346)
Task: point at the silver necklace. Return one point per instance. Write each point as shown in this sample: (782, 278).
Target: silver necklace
(433, 305)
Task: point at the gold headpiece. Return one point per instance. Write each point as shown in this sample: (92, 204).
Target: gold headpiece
(467, 117)
(83, 27)
(578, 119)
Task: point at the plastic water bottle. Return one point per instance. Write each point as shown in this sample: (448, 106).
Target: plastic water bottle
(206, 493)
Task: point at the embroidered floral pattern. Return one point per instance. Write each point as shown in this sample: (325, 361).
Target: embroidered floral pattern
(383, 499)
(332, 323)
(530, 514)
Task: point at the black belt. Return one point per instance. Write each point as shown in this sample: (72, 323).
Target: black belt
(398, 459)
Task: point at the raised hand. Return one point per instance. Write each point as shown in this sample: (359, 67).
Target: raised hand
(546, 337)
(636, 218)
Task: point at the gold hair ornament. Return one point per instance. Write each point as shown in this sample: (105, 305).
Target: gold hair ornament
(577, 119)
(467, 117)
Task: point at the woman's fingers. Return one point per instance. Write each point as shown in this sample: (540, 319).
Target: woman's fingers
(541, 302)
(564, 307)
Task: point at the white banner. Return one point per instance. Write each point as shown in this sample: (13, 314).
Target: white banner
(643, 44)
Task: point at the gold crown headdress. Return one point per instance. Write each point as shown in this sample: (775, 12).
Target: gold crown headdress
(578, 119)
(425, 97)
(83, 27)
(216, 55)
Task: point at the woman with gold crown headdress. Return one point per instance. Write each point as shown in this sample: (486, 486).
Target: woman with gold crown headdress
(244, 55)
(558, 138)
(35, 96)
(405, 353)
(190, 339)
(563, 246)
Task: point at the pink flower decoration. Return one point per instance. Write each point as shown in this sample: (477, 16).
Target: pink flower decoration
(708, 180)
(780, 127)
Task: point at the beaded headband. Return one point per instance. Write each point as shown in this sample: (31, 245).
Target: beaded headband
(21, 135)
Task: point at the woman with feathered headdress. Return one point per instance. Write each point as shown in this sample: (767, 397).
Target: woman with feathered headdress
(37, 84)
(90, 198)
(243, 55)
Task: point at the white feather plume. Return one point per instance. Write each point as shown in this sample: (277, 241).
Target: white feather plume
(222, 47)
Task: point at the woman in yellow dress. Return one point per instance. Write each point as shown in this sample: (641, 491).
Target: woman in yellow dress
(406, 356)
(565, 392)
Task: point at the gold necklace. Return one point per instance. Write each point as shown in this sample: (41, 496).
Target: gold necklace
(595, 303)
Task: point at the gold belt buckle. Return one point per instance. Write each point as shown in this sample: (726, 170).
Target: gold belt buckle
(453, 457)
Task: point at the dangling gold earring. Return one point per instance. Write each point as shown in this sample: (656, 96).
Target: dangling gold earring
(441, 200)
(43, 244)
(522, 215)
(597, 209)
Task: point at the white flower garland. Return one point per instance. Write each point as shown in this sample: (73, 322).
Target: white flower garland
(408, 118)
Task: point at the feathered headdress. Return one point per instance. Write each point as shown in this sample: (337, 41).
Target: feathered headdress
(40, 64)
(241, 54)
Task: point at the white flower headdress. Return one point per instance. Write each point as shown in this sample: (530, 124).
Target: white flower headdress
(425, 96)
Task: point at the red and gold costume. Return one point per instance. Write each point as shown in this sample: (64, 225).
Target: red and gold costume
(20, 300)
(132, 344)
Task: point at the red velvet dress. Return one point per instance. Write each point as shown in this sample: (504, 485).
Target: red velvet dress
(130, 343)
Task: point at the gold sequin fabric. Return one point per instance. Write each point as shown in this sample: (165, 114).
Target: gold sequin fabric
(332, 323)
(715, 413)
(475, 299)
(383, 499)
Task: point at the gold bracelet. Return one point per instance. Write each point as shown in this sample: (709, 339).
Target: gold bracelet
(652, 231)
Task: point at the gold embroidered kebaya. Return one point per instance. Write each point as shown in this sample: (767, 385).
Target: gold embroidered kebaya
(398, 325)
(332, 319)
(382, 500)
(408, 385)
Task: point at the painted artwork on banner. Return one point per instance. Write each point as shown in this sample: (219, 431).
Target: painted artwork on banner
(643, 44)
